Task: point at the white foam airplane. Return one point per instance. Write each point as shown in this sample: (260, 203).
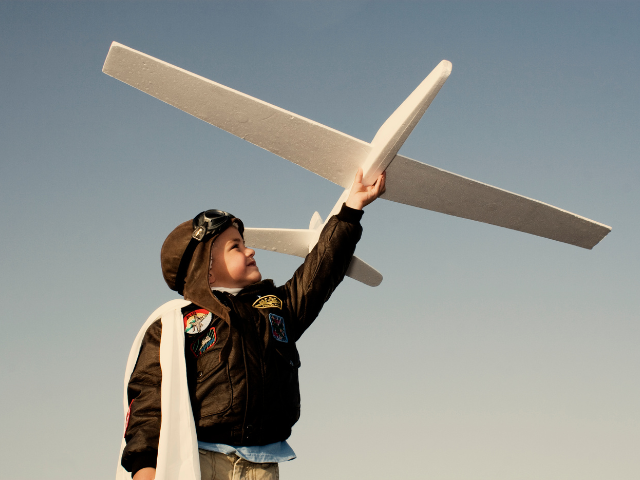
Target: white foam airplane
(337, 157)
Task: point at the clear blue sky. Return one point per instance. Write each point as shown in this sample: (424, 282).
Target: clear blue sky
(485, 353)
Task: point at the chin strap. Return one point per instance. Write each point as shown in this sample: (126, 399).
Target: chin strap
(184, 264)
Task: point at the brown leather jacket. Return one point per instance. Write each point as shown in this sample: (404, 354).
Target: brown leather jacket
(242, 360)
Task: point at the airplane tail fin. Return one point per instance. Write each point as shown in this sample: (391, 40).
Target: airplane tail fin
(316, 221)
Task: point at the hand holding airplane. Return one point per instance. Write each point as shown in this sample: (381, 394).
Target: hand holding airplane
(360, 195)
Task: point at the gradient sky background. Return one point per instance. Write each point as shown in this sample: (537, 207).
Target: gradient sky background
(485, 353)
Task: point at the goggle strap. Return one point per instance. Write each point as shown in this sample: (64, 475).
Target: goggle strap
(184, 264)
(200, 233)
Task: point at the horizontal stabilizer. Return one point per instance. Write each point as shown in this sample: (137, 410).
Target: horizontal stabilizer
(363, 272)
(320, 149)
(282, 240)
(296, 242)
(414, 183)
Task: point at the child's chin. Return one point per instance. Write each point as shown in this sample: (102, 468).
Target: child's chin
(256, 278)
(252, 278)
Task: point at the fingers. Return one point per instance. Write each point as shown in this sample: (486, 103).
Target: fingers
(358, 176)
(364, 195)
(378, 186)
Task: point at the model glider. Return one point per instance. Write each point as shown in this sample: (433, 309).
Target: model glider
(337, 157)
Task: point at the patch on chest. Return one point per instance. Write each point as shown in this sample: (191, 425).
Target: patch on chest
(277, 328)
(268, 301)
(201, 345)
(197, 321)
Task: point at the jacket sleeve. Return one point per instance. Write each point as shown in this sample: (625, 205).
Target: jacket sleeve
(323, 269)
(143, 426)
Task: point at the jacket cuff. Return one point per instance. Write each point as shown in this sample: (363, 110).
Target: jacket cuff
(144, 460)
(351, 215)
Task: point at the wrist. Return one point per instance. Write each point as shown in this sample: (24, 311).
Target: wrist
(349, 214)
(143, 461)
(146, 473)
(354, 204)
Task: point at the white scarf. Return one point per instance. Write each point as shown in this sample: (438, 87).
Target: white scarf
(178, 444)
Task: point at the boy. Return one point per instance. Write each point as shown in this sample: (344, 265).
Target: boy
(237, 335)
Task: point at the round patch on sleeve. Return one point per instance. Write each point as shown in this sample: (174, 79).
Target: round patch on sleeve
(197, 321)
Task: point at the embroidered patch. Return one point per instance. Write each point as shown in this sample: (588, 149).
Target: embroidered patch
(197, 321)
(200, 346)
(277, 328)
(268, 301)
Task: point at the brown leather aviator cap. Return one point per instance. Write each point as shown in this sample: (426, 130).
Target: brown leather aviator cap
(196, 279)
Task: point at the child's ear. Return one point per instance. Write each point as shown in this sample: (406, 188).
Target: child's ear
(212, 278)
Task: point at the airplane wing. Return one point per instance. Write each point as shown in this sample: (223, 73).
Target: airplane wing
(296, 242)
(421, 185)
(320, 149)
(337, 156)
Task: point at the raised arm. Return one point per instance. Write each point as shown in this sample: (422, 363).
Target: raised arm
(326, 265)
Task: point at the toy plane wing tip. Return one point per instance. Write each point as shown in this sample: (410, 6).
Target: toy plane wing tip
(114, 45)
(447, 66)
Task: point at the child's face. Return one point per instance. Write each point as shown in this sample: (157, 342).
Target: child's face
(232, 263)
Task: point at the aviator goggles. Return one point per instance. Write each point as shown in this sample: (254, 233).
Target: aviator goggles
(206, 225)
